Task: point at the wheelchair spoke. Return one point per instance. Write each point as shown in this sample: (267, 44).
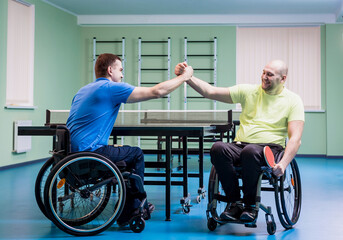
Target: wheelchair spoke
(289, 198)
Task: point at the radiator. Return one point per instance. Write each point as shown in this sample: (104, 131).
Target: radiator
(21, 143)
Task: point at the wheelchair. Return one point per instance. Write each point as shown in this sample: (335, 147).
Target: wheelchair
(84, 193)
(287, 192)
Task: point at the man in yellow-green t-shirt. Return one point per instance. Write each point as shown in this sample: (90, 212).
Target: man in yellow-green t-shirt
(270, 114)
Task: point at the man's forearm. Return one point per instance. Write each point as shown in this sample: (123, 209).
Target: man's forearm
(290, 152)
(200, 86)
(221, 94)
(168, 86)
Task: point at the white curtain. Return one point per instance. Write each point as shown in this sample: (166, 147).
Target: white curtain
(299, 47)
(20, 54)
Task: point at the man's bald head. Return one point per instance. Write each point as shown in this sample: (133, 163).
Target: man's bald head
(280, 66)
(274, 76)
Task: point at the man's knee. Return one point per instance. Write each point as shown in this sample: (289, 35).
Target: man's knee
(138, 153)
(251, 151)
(218, 151)
(217, 148)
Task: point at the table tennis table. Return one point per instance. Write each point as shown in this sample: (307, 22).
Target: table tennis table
(163, 124)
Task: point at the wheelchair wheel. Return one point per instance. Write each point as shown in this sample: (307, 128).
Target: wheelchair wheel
(211, 224)
(78, 194)
(216, 196)
(288, 196)
(137, 224)
(271, 227)
(40, 182)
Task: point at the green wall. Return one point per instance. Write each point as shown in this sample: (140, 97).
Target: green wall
(314, 137)
(56, 76)
(334, 85)
(226, 74)
(226, 56)
(63, 64)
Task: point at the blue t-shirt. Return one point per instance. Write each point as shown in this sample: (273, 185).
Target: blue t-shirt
(94, 111)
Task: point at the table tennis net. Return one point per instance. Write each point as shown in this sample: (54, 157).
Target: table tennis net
(134, 117)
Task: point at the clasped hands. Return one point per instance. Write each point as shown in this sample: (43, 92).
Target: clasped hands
(184, 70)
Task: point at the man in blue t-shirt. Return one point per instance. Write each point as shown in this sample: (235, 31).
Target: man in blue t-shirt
(94, 111)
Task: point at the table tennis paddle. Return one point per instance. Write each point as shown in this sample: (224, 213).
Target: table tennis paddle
(269, 156)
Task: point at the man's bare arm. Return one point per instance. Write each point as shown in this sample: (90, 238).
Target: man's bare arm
(221, 94)
(295, 130)
(205, 89)
(159, 90)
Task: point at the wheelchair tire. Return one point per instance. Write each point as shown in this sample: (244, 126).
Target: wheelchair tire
(137, 224)
(78, 194)
(288, 196)
(40, 182)
(211, 224)
(216, 196)
(271, 227)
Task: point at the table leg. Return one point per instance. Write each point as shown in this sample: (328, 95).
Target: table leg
(168, 176)
(201, 162)
(185, 167)
(159, 147)
(186, 200)
(201, 189)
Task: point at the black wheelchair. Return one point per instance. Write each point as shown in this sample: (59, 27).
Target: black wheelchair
(84, 193)
(287, 192)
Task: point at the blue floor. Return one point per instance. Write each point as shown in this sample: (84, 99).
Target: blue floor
(322, 208)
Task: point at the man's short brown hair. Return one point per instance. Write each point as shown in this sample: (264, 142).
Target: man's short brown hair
(103, 62)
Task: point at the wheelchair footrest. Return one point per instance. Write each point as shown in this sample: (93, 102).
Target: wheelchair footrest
(250, 225)
(222, 221)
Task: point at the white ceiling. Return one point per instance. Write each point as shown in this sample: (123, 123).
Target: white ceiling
(202, 11)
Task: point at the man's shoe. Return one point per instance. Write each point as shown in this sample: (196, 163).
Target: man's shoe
(151, 208)
(122, 224)
(146, 211)
(232, 212)
(249, 214)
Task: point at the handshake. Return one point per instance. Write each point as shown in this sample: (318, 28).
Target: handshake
(184, 70)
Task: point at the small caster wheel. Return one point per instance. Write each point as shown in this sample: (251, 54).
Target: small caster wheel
(271, 227)
(137, 224)
(186, 209)
(203, 195)
(211, 224)
(198, 199)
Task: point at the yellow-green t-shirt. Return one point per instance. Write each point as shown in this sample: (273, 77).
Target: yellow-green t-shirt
(264, 117)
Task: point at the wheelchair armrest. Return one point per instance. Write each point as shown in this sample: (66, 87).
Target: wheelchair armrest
(136, 179)
(121, 164)
(267, 171)
(277, 160)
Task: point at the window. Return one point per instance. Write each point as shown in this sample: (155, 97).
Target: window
(299, 47)
(20, 54)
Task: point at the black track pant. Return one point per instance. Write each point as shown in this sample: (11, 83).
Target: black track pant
(225, 156)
